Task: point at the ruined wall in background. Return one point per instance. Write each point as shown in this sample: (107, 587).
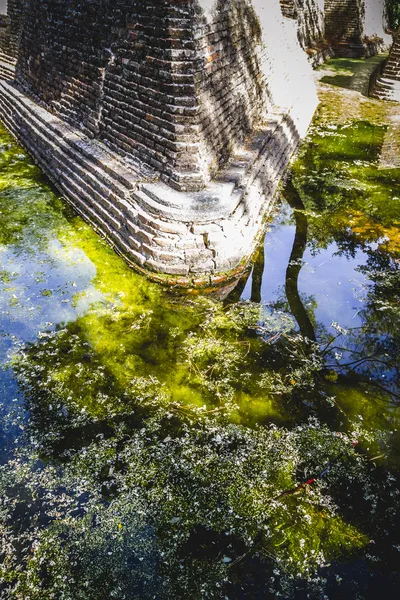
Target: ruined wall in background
(356, 27)
(311, 23)
(344, 21)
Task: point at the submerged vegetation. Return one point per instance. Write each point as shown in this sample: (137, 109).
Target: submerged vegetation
(156, 446)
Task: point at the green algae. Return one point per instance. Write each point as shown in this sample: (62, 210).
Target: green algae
(163, 432)
(351, 74)
(347, 197)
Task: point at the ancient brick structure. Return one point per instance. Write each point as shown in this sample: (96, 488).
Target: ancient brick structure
(11, 36)
(388, 85)
(309, 15)
(355, 28)
(168, 125)
(194, 88)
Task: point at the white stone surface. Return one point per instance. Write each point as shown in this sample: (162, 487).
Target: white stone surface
(288, 73)
(287, 70)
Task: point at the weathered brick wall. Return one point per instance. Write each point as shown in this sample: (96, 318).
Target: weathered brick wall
(231, 89)
(356, 27)
(310, 18)
(157, 81)
(310, 14)
(109, 89)
(289, 8)
(344, 20)
(9, 43)
(62, 55)
(150, 108)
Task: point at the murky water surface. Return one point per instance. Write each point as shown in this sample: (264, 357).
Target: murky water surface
(155, 445)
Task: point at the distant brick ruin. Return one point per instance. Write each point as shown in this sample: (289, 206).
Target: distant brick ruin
(168, 125)
(388, 85)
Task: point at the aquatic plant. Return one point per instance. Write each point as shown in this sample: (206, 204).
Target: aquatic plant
(158, 446)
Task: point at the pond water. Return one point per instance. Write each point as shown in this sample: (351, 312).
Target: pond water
(155, 445)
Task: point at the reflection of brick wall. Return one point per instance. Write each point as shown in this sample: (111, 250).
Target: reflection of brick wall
(311, 23)
(155, 80)
(356, 27)
(289, 8)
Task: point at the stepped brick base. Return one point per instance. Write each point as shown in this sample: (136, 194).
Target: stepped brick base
(388, 85)
(7, 67)
(180, 238)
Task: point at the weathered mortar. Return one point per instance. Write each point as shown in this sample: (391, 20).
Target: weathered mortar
(122, 103)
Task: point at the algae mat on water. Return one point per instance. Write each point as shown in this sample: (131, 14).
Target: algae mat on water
(148, 440)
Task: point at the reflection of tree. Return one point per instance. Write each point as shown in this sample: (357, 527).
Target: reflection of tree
(373, 349)
(258, 272)
(296, 263)
(197, 501)
(349, 202)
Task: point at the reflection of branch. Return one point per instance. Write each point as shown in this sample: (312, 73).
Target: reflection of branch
(270, 340)
(382, 387)
(342, 349)
(360, 360)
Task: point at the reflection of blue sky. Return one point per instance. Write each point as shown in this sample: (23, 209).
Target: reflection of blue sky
(41, 292)
(331, 280)
(38, 294)
(335, 284)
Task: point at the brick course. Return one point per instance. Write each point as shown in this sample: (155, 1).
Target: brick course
(156, 81)
(167, 125)
(388, 85)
